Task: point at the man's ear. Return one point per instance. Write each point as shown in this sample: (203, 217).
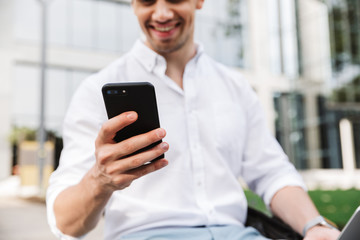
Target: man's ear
(199, 4)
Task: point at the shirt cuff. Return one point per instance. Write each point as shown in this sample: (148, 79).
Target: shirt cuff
(62, 236)
(51, 215)
(285, 181)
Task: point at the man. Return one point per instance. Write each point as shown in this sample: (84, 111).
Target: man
(216, 133)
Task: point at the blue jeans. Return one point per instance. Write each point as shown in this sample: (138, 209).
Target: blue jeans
(231, 232)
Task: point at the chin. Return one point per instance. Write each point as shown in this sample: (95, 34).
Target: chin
(167, 46)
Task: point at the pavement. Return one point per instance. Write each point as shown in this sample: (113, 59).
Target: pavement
(24, 218)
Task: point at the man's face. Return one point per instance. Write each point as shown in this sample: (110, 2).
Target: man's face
(167, 24)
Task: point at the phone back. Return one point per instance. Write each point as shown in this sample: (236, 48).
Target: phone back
(133, 96)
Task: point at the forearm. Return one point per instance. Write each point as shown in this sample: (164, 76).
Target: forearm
(294, 206)
(78, 208)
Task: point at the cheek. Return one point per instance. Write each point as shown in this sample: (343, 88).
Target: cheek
(142, 17)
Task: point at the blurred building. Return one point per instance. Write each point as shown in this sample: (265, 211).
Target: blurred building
(301, 56)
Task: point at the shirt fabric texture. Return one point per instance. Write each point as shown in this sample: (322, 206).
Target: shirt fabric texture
(216, 131)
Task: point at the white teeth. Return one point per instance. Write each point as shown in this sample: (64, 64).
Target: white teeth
(164, 29)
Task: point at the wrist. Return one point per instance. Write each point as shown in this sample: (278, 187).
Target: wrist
(95, 183)
(318, 221)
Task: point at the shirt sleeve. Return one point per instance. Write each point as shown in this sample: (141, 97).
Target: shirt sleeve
(82, 122)
(266, 168)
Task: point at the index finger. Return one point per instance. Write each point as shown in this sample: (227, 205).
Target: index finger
(113, 125)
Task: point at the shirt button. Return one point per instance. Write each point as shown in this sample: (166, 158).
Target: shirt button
(199, 183)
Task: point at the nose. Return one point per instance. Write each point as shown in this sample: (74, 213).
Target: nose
(162, 12)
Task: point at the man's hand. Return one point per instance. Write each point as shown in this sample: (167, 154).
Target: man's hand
(79, 207)
(114, 169)
(322, 233)
(294, 206)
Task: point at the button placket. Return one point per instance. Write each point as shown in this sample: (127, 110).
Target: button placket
(195, 148)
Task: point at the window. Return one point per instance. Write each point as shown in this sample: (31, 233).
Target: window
(27, 20)
(290, 127)
(345, 31)
(222, 28)
(283, 37)
(110, 26)
(84, 24)
(60, 86)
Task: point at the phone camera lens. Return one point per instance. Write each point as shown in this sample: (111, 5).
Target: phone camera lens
(112, 92)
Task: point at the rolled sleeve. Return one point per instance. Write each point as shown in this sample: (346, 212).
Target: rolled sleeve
(266, 168)
(77, 157)
(53, 191)
(286, 180)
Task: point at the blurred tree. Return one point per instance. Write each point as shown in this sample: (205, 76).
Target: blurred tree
(344, 17)
(233, 24)
(349, 93)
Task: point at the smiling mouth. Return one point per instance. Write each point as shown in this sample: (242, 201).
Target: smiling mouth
(164, 28)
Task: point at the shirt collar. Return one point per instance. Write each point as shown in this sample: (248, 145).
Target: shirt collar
(153, 61)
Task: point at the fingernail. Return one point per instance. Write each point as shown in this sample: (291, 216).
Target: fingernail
(131, 116)
(160, 133)
(164, 146)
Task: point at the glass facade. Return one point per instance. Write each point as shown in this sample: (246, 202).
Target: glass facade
(83, 24)
(283, 37)
(110, 26)
(344, 17)
(60, 86)
(341, 101)
(223, 27)
(101, 27)
(344, 100)
(290, 126)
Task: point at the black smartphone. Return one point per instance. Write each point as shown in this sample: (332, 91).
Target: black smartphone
(133, 96)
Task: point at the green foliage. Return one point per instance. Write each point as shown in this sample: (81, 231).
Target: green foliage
(344, 21)
(336, 205)
(256, 202)
(19, 134)
(233, 25)
(347, 93)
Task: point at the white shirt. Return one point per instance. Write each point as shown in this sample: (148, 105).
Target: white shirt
(216, 131)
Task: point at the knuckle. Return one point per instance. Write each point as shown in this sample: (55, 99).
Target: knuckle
(154, 137)
(97, 142)
(106, 129)
(118, 181)
(159, 149)
(121, 182)
(127, 147)
(137, 161)
(103, 156)
(110, 170)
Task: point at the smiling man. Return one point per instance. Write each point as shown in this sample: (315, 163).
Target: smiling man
(215, 133)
